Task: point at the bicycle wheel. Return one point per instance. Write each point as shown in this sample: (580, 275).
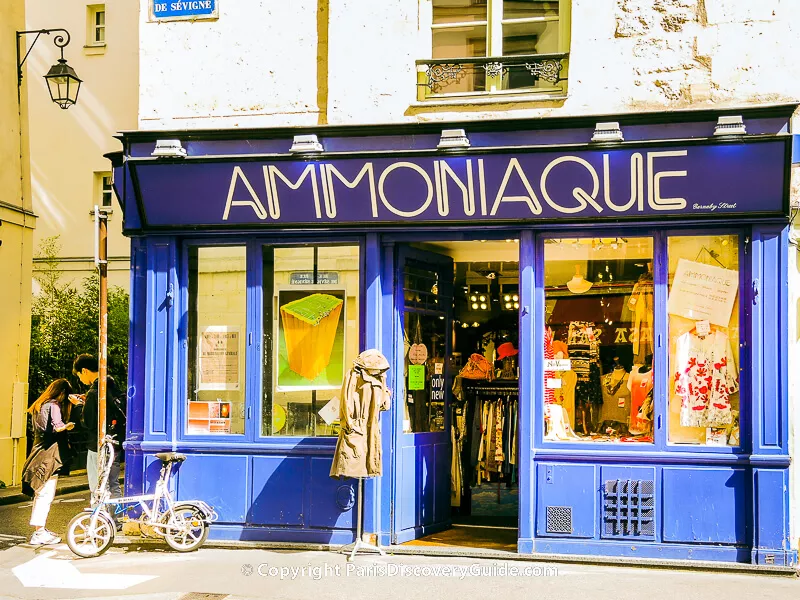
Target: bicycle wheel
(90, 535)
(189, 528)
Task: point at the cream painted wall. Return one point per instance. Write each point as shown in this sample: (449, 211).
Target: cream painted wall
(257, 65)
(16, 232)
(67, 146)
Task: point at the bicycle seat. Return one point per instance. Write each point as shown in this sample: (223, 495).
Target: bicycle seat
(169, 457)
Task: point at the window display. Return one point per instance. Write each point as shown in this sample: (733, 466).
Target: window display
(598, 339)
(217, 313)
(311, 296)
(704, 339)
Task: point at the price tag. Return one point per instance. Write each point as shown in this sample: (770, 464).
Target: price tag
(557, 364)
(621, 402)
(553, 384)
(438, 368)
(703, 328)
(416, 377)
(330, 412)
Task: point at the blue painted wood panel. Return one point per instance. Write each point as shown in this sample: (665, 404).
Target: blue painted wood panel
(407, 503)
(220, 480)
(137, 341)
(771, 508)
(705, 505)
(567, 485)
(331, 502)
(769, 304)
(279, 487)
(159, 334)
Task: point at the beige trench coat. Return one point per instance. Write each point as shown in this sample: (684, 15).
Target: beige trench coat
(364, 395)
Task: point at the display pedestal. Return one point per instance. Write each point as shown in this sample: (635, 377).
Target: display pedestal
(360, 545)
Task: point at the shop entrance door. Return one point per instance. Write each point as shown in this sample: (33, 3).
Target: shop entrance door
(423, 333)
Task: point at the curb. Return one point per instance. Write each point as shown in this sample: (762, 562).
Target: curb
(65, 489)
(483, 554)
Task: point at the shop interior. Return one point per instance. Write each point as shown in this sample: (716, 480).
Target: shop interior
(471, 349)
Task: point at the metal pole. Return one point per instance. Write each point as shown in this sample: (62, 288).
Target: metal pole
(102, 387)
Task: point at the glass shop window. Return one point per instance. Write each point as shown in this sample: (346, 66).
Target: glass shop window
(598, 339)
(703, 308)
(217, 325)
(311, 336)
(425, 348)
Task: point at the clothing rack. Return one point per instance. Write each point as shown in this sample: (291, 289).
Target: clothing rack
(498, 391)
(503, 391)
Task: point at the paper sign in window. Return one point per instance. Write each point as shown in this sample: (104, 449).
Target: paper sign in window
(218, 366)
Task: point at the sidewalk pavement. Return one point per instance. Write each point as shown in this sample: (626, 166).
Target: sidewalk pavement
(77, 481)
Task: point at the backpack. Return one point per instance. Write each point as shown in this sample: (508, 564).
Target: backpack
(116, 411)
(116, 418)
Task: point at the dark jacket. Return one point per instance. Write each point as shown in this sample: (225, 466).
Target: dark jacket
(89, 415)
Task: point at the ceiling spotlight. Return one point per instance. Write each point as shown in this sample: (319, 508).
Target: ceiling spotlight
(474, 306)
(483, 306)
(476, 324)
(515, 298)
(464, 325)
(516, 304)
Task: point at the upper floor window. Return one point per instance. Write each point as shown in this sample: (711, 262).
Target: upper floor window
(104, 189)
(496, 46)
(96, 25)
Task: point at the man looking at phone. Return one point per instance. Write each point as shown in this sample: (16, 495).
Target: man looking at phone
(86, 369)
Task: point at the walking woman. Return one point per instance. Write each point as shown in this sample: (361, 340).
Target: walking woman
(41, 469)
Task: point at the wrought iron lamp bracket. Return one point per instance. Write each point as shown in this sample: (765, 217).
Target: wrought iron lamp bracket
(60, 41)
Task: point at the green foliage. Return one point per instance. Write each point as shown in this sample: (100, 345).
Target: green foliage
(64, 323)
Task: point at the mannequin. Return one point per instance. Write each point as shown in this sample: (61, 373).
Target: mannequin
(640, 384)
(578, 284)
(616, 395)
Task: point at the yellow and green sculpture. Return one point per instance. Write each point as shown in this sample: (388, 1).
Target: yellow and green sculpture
(309, 326)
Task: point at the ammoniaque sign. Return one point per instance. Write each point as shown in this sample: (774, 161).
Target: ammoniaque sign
(692, 180)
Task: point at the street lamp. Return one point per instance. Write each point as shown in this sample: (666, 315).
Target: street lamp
(62, 81)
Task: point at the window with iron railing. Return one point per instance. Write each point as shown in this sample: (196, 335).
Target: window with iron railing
(482, 47)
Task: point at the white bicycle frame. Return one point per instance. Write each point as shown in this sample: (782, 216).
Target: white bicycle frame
(161, 496)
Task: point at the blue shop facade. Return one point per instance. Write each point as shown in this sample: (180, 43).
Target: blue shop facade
(629, 297)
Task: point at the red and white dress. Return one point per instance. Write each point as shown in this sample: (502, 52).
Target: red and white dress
(705, 378)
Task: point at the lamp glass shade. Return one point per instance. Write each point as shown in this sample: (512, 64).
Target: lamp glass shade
(63, 84)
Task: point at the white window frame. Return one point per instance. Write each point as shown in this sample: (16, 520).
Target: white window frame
(103, 188)
(92, 27)
(494, 44)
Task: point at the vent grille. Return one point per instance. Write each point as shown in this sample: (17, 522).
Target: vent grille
(559, 519)
(629, 508)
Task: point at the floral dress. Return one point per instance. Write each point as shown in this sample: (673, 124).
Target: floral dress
(705, 378)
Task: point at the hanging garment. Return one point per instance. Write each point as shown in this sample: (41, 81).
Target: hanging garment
(640, 386)
(499, 457)
(565, 395)
(705, 377)
(364, 395)
(549, 396)
(641, 305)
(457, 432)
(557, 426)
(616, 396)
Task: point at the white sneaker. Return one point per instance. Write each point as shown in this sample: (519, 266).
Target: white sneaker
(44, 538)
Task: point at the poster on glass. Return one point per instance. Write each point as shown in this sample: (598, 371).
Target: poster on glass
(218, 364)
(311, 338)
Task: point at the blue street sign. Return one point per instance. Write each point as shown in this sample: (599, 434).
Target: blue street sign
(184, 9)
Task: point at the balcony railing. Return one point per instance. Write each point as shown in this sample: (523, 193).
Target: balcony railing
(478, 75)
